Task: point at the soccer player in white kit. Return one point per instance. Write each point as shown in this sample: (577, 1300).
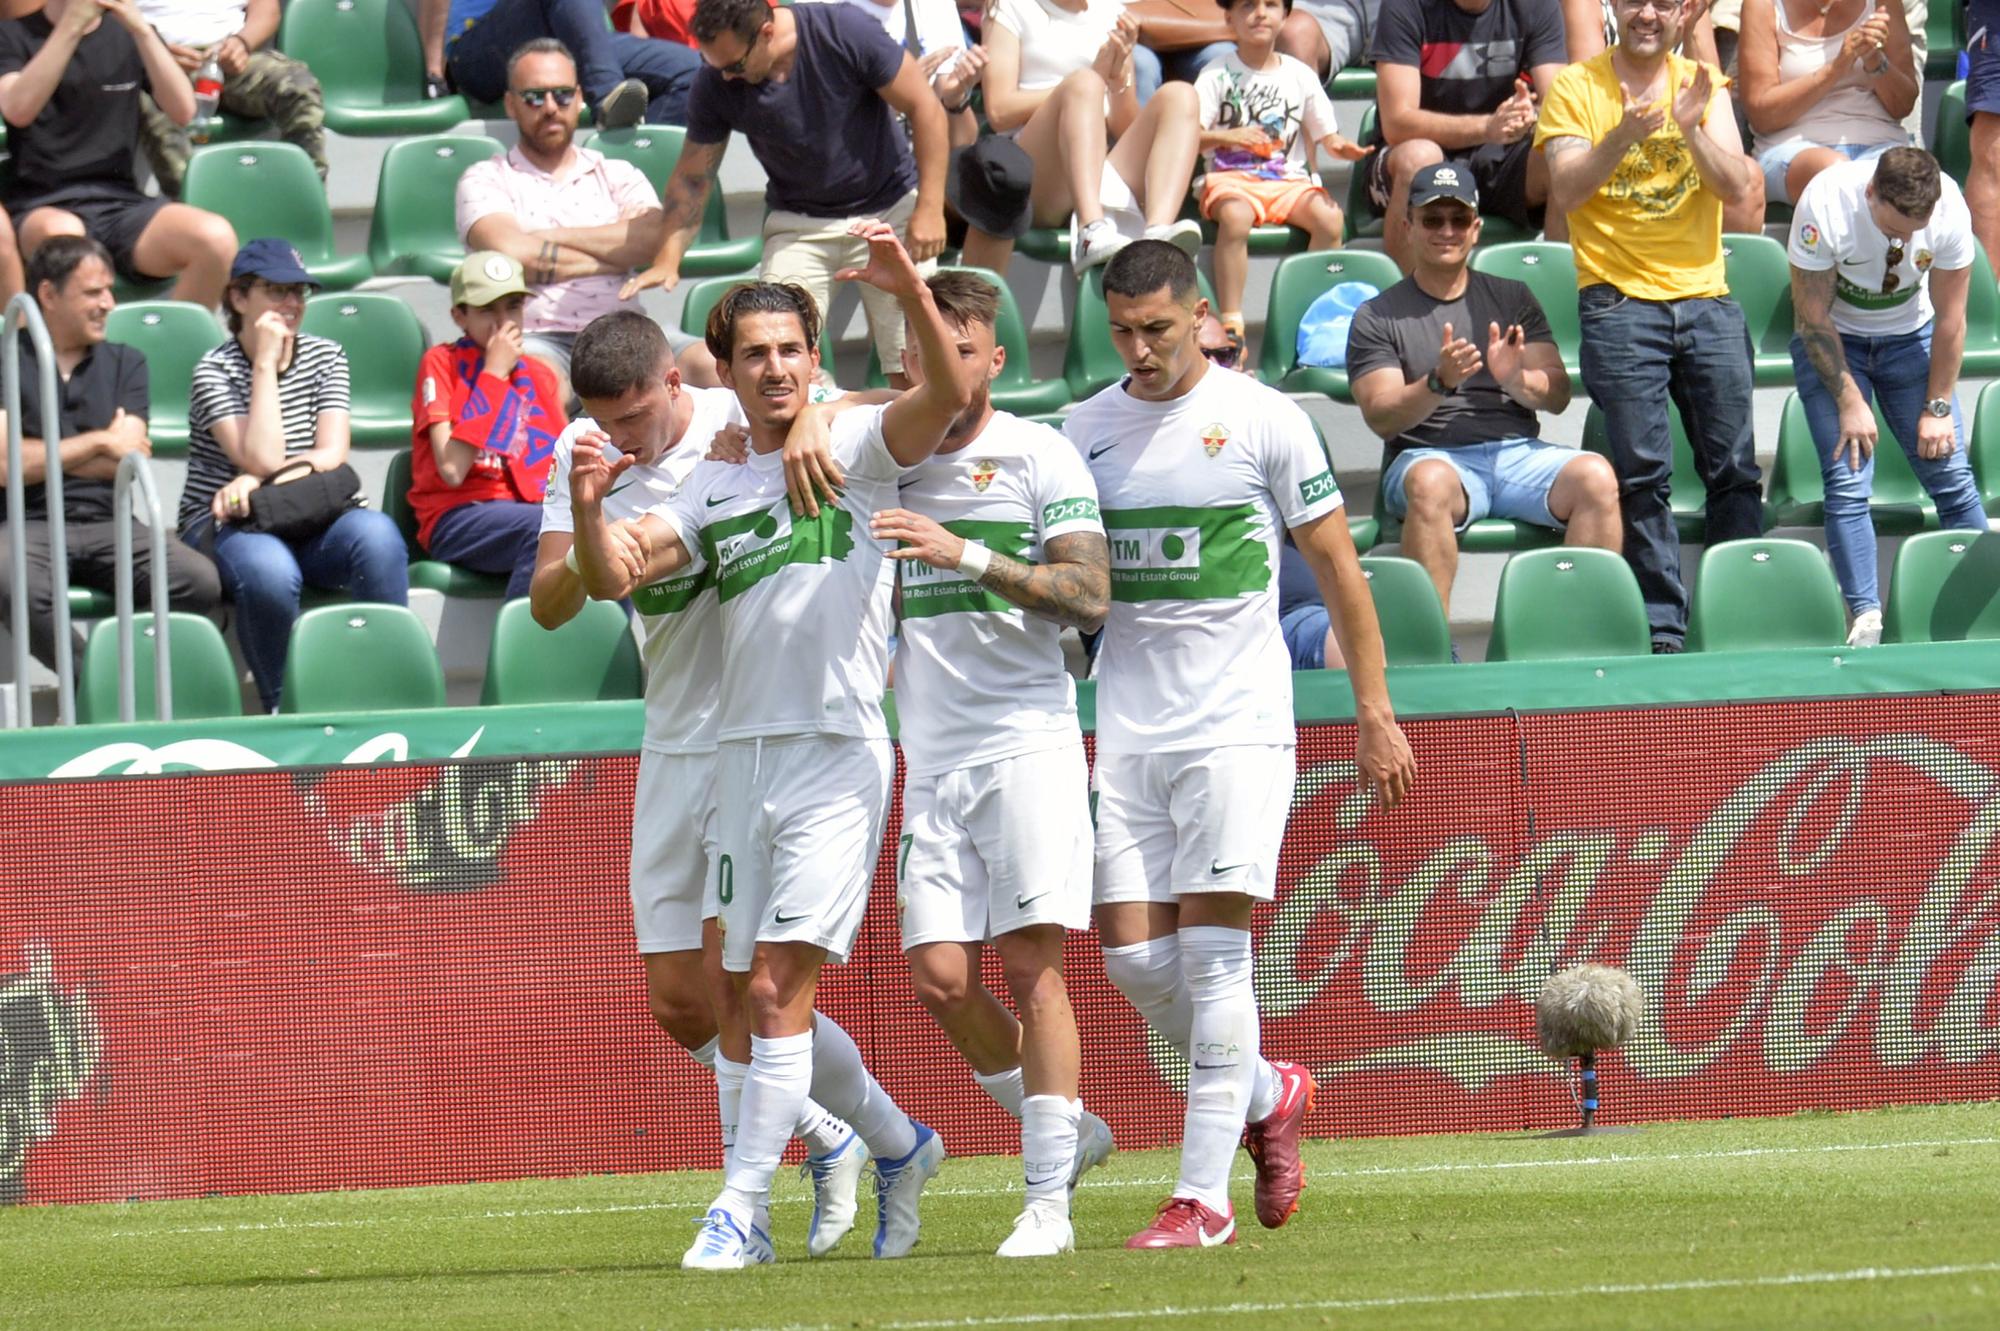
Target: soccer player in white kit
(803, 759)
(1002, 546)
(629, 384)
(1198, 468)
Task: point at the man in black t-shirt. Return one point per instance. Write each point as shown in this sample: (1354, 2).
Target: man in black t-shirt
(102, 417)
(816, 89)
(1462, 79)
(1458, 424)
(70, 82)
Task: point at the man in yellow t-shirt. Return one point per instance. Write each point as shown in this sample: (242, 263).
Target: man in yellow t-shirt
(1643, 155)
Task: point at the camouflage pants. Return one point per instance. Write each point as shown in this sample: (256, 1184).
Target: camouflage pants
(271, 87)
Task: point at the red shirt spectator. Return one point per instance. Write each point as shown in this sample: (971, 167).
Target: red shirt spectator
(665, 20)
(511, 424)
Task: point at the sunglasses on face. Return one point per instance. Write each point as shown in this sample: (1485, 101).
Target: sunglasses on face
(741, 64)
(538, 97)
(1225, 355)
(285, 290)
(1443, 221)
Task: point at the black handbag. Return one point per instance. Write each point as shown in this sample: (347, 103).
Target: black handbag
(298, 503)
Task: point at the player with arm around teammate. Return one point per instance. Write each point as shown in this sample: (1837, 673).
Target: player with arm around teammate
(1197, 469)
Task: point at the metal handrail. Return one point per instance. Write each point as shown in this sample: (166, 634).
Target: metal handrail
(134, 470)
(22, 312)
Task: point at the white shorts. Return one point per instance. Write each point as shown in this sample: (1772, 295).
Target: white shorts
(673, 845)
(990, 849)
(799, 828)
(1203, 820)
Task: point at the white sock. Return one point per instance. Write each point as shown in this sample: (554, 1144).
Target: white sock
(1222, 1059)
(1005, 1088)
(1149, 975)
(842, 1084)
(729, 1078)
(780, 1078)
(1048, 1149)
(820, 1129)
(706, 1055)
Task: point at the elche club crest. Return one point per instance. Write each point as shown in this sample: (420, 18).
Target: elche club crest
(1214, 437)
(983, 472)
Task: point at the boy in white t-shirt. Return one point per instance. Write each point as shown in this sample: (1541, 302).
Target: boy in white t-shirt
(1259, 169)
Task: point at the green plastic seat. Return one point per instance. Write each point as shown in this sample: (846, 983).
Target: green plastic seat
(1982, 319)
(1356, 83)
(1767, 592)
(1414, 631)
(1576, 601)
(1687, 493)
(361, 657)
(1951, 137)
(654, 149)
(205, 682)
(384, 345)
(1090, 361)
(1049, 244)
(1982, 445)
(592, 658)
(1484, 537)
(1300, 280)
(1898, 505)
(172, 335)
(430, 574)
(1016, 390)
(271, 189)
(1944, 38)
(1945, 587)
(1760, 281)
(1549, 269)
(370, 66)
(89, 603)
(1359, 211)
(414, 231)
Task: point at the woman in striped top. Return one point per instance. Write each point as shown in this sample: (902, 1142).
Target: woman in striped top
(268, 396)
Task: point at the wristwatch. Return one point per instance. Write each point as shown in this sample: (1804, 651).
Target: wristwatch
(1436, 385)
(1939, 407)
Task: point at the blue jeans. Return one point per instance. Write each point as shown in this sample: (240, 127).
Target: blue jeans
(1639, 357)
(362, 553)
(1150, 69)
(1896, 371)
(492, 536)
(477, 57)
(666, 68)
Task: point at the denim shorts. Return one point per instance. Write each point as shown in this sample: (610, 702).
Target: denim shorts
(1775, 160)
(1510, 478)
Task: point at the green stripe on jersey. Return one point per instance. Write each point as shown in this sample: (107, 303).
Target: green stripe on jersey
(931, 591)
(670, 596)
(1173, 553)
(1862, 298)
(826, 538)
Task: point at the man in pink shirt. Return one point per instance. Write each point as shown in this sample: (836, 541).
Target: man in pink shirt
(576, 221)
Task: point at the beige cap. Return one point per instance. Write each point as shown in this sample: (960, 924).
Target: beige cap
(484, 277)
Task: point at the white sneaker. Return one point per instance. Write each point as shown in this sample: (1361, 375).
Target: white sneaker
(1867, 630)
(1093, 1146)
(1183, 233)
(1040, 1233)
(723, 1245)
(1092, 245)
(898, 1184)
(835, 1176)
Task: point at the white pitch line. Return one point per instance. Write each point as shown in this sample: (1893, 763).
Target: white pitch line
(1372, 1171)
(1792, 1278)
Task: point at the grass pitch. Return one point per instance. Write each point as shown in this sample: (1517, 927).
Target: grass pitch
(1888, 1219)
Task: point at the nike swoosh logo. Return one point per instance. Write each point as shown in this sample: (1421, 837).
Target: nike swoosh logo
(1216, 1067)
(788, 919)
(1097, 453)
(904, 485)
(1219, 869)
(1020, 902)
(725, 499)
(1216, 1240)
(626, 485)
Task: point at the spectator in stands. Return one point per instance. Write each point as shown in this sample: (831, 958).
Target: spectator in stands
(1261, 116)
(258, 83)
(1059, 80)
(1329, 35)
(1461, 79)
(1302, 616)
(473, 41)
(102, 415)
(71, 76)
(577, 221)
(1982, 112)
(1643, 155)
(938, 41)
(1450, 367)
(269, 396)
(1822, 85)
(488, 414)
(816, 89)
(1874, 244)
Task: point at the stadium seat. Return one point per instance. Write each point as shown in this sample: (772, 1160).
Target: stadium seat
(1760, 281)
(370, 66)
(1982, 320)
(1762, 593)
(1944, 38)
(1898, 506)
(1549, 269)
(1945, 587)
(414, 231)
(88, 602)
(427, 573)
(1982, 445)
(172, 335)
(361, 658)
(1090, 361)
(1576, 601)
(205, 682)
(384, 345)
(1414, 631)
(271, 189)
(654, 149)
(1300, 280)
(1687, 493)
(1356, 83)
(1951, 137)
(592, 658)
(1016, 390)
(1484, 537)
(1048, 244)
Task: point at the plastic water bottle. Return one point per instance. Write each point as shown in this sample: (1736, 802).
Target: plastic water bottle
(207, 99)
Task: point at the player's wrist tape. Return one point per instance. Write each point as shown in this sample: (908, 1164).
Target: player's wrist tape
(975, 560)
(569, 561)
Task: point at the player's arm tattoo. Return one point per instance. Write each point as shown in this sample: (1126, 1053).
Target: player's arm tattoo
(1812, 302)
(1072, 586)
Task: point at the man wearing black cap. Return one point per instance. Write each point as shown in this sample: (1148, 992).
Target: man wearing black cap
(1458, 422)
